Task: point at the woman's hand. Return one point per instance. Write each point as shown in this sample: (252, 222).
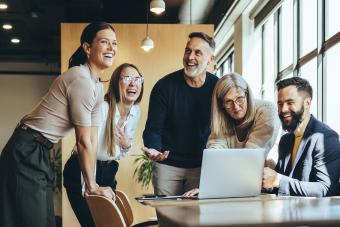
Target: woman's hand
(122, 137)
(191, 193)
(103, 191)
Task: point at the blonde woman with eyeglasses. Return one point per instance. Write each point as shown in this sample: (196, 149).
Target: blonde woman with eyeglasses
(120, 115)
(238, 120)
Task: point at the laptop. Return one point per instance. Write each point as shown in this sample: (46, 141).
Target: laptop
(231, 173)
(226, 173)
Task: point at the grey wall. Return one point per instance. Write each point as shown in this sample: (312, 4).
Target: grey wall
(18, 95)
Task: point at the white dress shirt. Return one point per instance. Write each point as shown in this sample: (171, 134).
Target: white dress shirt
(130, 128)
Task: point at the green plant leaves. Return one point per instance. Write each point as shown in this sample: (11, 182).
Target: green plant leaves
(143, 171)
(55, 161)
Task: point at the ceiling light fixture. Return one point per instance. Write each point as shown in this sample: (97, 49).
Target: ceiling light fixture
(15, 40)
(3, 6)
(157, 6)
(7, 26)
(147, 43)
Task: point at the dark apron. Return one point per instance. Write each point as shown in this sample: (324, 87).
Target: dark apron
(26, 181)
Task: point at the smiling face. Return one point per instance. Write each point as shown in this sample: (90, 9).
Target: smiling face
(197, 56)
(292, 107)
(102, 51)
(235, 103)
(130, 88)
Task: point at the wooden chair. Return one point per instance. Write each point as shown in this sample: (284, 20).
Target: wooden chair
(108, 213)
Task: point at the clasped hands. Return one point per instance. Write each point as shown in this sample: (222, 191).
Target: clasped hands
(270, 178)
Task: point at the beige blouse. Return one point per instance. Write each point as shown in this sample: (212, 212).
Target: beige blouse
(262, 133)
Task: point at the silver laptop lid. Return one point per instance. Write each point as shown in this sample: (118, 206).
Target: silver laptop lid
(231, 173)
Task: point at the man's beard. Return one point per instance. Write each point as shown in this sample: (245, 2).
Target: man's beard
(197, 72)
(296, 120)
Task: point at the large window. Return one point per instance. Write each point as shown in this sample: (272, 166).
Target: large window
(308, 26)
(332, 83)
(252, 70)
(268, 57)
(305, 41)
(286, 37)
(309, 71)
(225, 64)
(228, 65)
(332, 17)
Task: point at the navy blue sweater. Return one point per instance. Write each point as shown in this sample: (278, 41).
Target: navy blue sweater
(179, 119)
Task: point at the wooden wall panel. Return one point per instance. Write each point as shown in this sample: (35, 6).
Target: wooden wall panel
(164, 58)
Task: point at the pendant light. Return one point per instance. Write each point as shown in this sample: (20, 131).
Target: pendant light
(157, 6)
(147, 43)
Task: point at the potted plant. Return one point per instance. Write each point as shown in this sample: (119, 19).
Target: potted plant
(143, 171)
(55, 160)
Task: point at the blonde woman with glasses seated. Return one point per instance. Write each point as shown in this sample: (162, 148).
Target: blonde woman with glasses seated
(238, 120)
(120, 115)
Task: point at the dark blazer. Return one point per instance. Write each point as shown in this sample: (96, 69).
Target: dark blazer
(316, 169)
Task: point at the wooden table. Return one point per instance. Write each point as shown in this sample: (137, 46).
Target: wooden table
(264, 210)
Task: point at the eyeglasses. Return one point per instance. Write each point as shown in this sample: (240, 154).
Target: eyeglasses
(128, 79)
(231, 103)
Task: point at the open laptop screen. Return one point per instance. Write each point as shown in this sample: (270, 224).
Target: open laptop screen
(231, 173)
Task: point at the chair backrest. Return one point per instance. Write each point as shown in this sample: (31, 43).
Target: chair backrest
(123, 202)
(105, 212)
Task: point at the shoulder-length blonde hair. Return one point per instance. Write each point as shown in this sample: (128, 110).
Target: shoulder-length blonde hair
(221, 122)
(112, 97)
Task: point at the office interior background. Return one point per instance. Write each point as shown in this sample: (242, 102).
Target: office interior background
(264, 41)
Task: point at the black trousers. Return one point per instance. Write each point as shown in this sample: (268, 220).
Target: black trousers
(25, 181)
(105, 176)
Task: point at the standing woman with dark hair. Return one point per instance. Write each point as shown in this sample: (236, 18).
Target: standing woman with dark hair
(72, 102)
(120, 114)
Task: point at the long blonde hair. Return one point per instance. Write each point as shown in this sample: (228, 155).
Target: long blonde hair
(221, 122)
(113, 97)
